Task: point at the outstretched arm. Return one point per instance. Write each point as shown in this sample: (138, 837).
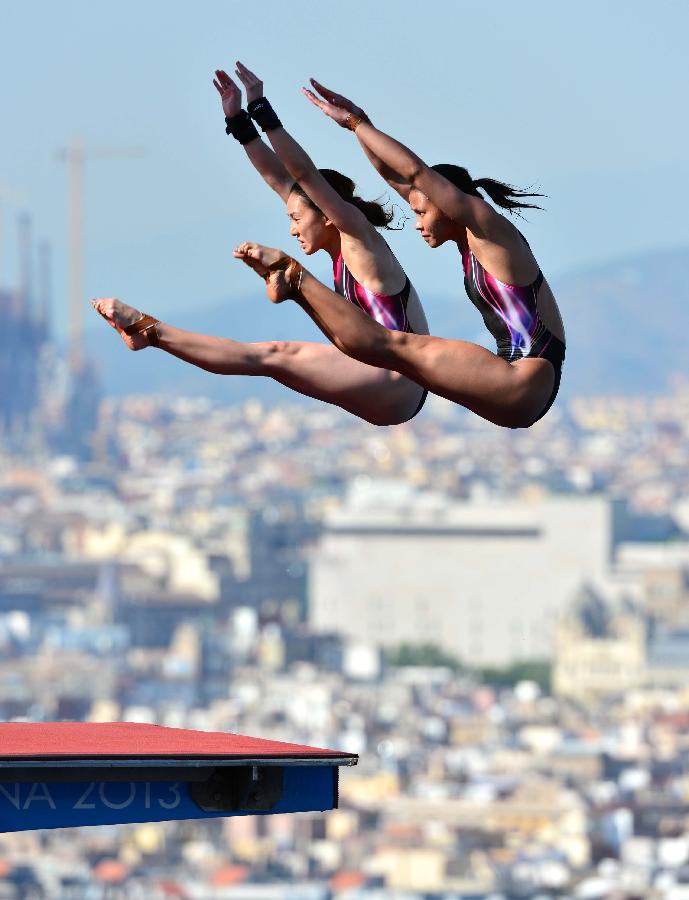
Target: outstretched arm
(260, 155)
(346, 217)
(409, 170)
(339, 108)
(474, 212)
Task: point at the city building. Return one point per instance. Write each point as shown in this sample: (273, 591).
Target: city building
(485, 580)
(599, 651)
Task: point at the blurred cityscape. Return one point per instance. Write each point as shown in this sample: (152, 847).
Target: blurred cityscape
(497, 622)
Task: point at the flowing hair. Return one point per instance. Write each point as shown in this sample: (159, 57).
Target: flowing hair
(503, 195)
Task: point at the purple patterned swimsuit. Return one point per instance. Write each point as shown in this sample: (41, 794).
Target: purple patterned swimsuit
(510, 313)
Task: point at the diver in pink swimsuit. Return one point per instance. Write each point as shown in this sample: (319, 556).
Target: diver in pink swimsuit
(325, 214)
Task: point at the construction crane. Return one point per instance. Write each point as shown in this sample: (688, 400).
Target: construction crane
(75, 156)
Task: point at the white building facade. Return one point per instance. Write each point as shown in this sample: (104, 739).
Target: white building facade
(487, 580)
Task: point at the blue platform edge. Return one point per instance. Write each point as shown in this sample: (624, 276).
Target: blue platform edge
(29, 806)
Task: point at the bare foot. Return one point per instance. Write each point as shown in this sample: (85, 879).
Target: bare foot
(278, 286)
(119, 316)
(261, 256)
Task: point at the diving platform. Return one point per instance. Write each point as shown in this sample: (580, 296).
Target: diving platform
(66, 774)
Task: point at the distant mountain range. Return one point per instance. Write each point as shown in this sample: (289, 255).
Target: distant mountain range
(624, 321)
(625, 324)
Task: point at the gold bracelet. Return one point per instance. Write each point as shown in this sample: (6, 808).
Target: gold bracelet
(352, 121)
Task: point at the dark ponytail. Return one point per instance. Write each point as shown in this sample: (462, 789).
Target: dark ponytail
(503, 195)
(375, 212)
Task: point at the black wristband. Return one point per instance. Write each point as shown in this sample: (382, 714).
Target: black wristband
(262, 112)
(241, 127)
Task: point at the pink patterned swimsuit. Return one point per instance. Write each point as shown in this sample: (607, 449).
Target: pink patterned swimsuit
(388, 310)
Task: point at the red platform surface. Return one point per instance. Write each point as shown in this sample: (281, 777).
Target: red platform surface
(128, 740)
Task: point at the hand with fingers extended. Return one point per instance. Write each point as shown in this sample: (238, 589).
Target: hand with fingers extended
(252, 84)
(230, 94)
(120, 316)
(335, 106)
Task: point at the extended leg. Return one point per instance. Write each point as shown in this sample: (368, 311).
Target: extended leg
(321, 371)
(509, 394)
(380, 396)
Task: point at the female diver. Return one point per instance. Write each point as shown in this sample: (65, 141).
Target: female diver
(514, 387)
(324, 215)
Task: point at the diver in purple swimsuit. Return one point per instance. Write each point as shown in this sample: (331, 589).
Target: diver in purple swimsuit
(516, 385)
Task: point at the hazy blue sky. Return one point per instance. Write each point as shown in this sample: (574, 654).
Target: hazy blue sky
(587, 100)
